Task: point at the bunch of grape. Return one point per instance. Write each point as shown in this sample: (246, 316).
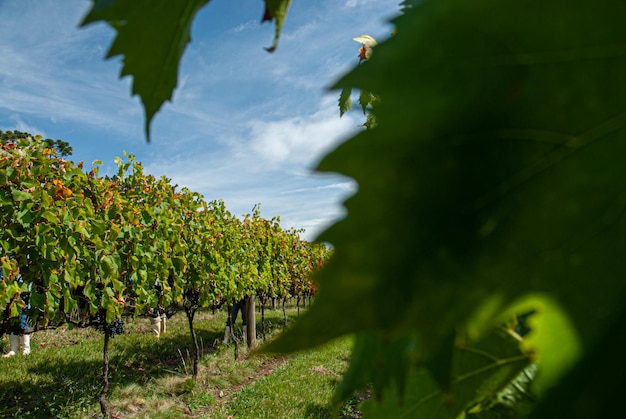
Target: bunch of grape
(192, 297)
(116, 327)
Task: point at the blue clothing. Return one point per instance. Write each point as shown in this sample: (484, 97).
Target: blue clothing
(24, 319)
(19, 325)
(239, 305)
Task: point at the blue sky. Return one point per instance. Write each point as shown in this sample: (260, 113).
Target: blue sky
(244, 125)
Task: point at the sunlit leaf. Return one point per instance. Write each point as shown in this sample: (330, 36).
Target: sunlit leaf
(50, 216)
(367, 44)
(552, 339)
(366, 40)
(20, 195)
(345, 100)
(593, 388)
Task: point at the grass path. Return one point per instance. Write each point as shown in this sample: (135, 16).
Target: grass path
(150, 378)
(300, 387)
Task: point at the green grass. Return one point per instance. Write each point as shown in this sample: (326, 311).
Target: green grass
(151, 378)
(299, 388)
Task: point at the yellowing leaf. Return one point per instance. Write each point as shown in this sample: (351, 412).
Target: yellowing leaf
(367, 44)
(366, 40)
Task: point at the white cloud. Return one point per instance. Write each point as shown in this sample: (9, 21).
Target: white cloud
(20, 125)
(347, 186)
(304, 33)
(245, 26)
(300, 140)
(355, 3)
(270, 162)
(54, 70)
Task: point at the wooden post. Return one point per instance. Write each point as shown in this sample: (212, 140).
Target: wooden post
(251, 312)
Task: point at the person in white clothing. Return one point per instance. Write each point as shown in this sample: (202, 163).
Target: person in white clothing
(158, 317)
(19, 331)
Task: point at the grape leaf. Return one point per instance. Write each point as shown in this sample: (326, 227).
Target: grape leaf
(478, 371)
(495, 171)
(276, 9)
(152, 36)
(594, 387)
(20, 195)
(370, 349)
(365, 98)
(345, 101)
(551, 335)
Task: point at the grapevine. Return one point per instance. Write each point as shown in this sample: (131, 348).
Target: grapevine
(91, 248)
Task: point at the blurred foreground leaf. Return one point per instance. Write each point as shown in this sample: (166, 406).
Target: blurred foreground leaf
(496, 170)
(478, 371)
(593, 388)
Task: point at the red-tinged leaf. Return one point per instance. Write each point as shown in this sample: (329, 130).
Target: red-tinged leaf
(367, 44)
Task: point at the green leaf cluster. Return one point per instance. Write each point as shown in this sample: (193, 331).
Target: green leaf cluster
(93, 249)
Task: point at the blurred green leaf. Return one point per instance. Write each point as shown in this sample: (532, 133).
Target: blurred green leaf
(365, 99)
(509, 403)
(495, 171)
(478, 371)
(373, 353)
(552, 339)
(593, 388)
